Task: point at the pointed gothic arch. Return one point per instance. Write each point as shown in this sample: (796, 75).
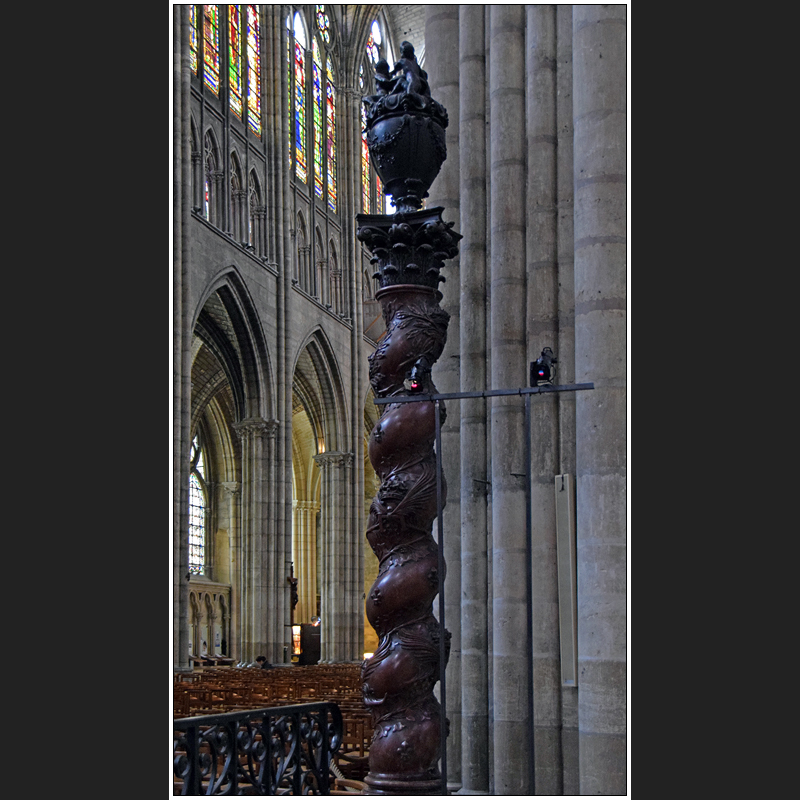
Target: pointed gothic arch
(321, 467)
(238, 200)
(212, 179)
(256, 214)
(232, 402)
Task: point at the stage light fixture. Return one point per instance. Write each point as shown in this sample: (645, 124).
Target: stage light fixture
(543, 370)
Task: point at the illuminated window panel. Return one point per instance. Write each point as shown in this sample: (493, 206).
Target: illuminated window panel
(324, 24)
(211, 49)
(289, 62)
(253, 71)
(365, 193)
(301, 156)
(235, 60)
(197, 512)
(316, 72)
(331, 128)
(193, 38)
(374, 42)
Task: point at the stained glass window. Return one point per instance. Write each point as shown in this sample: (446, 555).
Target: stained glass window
(324, 24)
(374, 42)
(301, 163)
(331, 128)
(211, 47)
(197, 511)
(316, 71)
(193, 38)
(289, 40)
(365, 193)
(253, 71)
(235, 60)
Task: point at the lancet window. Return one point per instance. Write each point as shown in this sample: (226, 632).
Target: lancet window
(312, 98)
(240, 47)
(198, 509)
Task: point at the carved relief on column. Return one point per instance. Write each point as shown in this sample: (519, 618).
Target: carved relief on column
(333, 459)
(406, 139)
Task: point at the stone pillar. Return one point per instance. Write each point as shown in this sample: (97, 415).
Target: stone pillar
(259, 225)
(473, 361)
(512, 736)
(341, 594)
(217, 211)
(542, 293)
(231, 491)
(322, 289)
(197, 181)
(262, 606)
(239, 207)
(348, 267)
(566, 337)
(600, 114)
(442, 66)
(182, 339)
(305, 559)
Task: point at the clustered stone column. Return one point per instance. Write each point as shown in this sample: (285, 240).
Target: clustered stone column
(405, 134)
(340, 595)
(600, 113)
(260, 565)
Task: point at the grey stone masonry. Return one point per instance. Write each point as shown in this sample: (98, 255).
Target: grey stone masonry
(600, 105)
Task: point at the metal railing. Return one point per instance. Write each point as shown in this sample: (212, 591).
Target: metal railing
(265, 751)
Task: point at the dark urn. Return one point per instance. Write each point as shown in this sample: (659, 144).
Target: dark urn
(405, 131)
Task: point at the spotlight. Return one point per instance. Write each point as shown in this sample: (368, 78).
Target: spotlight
(543, 369)
(416, 379)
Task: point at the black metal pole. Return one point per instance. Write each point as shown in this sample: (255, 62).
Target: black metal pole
(417, 398)
(442, 649)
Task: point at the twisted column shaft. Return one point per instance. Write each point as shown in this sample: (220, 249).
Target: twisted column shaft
(400, 677)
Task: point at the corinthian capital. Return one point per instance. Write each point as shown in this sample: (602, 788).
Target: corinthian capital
(255, 426)
(325, 460)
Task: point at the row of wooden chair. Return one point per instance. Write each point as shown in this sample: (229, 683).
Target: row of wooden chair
(215, 690)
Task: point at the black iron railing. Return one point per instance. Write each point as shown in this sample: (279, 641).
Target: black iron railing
(266, 751)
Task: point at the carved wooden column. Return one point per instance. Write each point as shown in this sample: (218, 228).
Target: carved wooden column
(405, 134)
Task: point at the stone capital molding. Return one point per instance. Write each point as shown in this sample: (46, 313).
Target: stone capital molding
(306, 505)
(334, 459)
(255, 426)
(233, 487)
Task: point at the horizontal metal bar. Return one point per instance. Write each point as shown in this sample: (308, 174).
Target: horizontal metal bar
(416, 398)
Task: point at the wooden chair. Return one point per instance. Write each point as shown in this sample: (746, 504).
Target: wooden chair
(352, 759)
